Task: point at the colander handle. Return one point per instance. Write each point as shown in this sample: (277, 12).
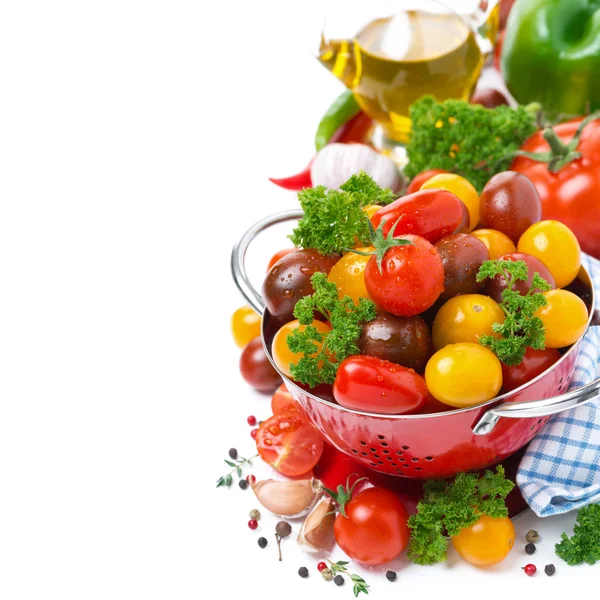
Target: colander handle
(539, 408)
(238, 256)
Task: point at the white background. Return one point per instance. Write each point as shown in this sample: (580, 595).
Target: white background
(136, 139)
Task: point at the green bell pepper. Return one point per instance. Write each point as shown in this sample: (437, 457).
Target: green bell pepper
(551, 54)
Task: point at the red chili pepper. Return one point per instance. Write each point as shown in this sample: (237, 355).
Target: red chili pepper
(295, 182)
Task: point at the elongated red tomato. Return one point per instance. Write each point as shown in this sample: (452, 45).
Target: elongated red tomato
(432, 214)
(534, 362)
(411, 278)
(418, 180)
(374, 385)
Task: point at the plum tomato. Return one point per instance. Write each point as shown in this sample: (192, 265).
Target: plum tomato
(462, 189)
(496, 242)
(334, 468)
(282, 400)
(289, 443)
(411, 278)
(486, 542)
(495, 287)
(289, 280)
(405, 341)
(372, 526)
(461, 255)
(256, 368)
(245, 326)
(282, 355)
(565, 318)
(278, 255)
(431, 214)
(418, 180)
(463, 375)
(348, 274)
(373, 385)
(510, 204)
(534, 363)
(465, 319)
(556, 246)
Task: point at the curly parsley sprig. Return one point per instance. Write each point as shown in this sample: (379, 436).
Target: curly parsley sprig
(521, 328)
(447, 508)
(334, 219)
(584, 544)
(323, 352)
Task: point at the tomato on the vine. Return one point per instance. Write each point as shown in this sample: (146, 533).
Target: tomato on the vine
(289, 443)
(411, 278)
(372, 526)
(282, 400)
(487, 542)
(533, 364)
(373, 385)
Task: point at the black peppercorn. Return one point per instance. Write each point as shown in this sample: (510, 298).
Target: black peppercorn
(303, 572)
(391, 575)
(549, 570)
(338, 580)
(232, 453)
(262, 542)
(530, 549)
(243, 484)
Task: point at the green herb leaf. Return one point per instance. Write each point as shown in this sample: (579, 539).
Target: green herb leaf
(447, 508)
(521, 328)
(360, 585)
(584, 545)
(323, 352)
(227, 480)
(334, 220)
(466, 139)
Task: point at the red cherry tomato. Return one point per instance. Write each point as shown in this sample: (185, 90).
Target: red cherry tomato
(418, 180)
(334, 468)
(279, 254)
(282, 400)
(256, 368)
(374, 530)
(289, 443)
(432, 214)
(411, 278)
(534, 363)
(374, 385)
(571, 195)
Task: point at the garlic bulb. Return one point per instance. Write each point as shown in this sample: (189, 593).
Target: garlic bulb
(316, 533)
(335, 163)
(294, 498)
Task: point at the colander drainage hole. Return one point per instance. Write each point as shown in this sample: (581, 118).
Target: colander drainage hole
(429, 458)
(386, 451)
(381, 437)
(406, 465)
(355, 451)
(364, 454)
(376, 456)
(405, 448)
(373, 464)
(362, 443)
(379, 462)
(415, 459)
(418, 469)
(373, 450)
(384, 444)
(399, 453)
(394, 464)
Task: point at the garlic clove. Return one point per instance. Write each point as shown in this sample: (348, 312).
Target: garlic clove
(294, 498)
(316, 533)
(335, 163)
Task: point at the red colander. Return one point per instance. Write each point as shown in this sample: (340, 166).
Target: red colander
(436, 445)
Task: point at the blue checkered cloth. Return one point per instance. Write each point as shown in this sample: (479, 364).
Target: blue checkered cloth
(560, 470)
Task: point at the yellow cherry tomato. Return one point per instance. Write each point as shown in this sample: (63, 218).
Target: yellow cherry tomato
(460, 187)
(464, 319)
(556, 246)
(462, 375)
(495, 241)
(565, 318)
(371, 210)
(486, 542)
(348, 274)
(282, 355)
(245, 326)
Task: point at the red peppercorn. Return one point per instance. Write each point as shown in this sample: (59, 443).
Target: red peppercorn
(251, 479)
(253, 433)
(253, 523)
(530, 570)
(321, 566)
(251, 420)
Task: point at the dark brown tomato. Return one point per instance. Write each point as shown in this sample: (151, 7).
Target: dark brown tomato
(288, 280)
(405, 341)
(495, 287)
(510, 203)
(461, 255)
(256, 368)
(489, 98)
